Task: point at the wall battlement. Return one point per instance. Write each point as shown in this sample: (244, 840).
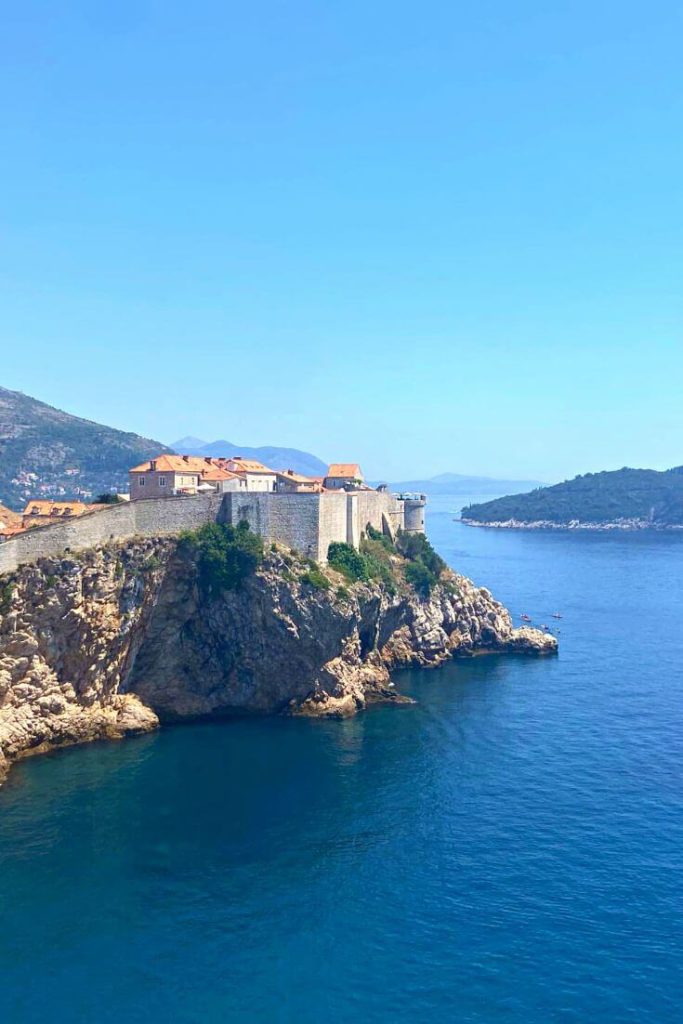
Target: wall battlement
(307, 522)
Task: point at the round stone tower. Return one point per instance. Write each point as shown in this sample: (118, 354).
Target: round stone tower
(414, 513)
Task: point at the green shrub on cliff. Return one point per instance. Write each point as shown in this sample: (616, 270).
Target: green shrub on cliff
(377, 551)
(349, 562)
(314, 577)
(381, 538)
(374, 561)
(416, 548)
(420, 578)
(424, 565)
(226, 555)
(150, 564)
(6, 593)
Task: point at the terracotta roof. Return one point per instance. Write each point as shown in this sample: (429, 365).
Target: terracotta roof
(218, 473)
(57, 508)
(239, 465)
(206, 467)
(345, 469)
(297, 478)
(11, 531)
(8, 517)
(174, 464)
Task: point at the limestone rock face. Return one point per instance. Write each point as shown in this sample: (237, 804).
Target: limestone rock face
(280, 645)
(68, 632)
(115, 640)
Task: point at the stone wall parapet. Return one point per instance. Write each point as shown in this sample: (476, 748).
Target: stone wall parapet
(307, 522)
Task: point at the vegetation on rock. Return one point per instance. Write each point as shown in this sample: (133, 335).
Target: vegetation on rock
(6, 592)
(420, 578)
(226, 555)
(316, 578)
(349, 562)
(416, 548)
(383, 560)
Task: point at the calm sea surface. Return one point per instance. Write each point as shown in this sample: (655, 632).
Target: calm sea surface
(510, 849)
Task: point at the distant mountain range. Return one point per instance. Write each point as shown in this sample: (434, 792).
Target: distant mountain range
(276, 458)
(310, 465)
(628, 498)
(456, 483)
(47, 452)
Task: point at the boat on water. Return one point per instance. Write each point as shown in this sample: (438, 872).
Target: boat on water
(557, 615)
(525, 618)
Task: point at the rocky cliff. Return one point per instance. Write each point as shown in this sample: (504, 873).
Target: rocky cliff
(118, 639)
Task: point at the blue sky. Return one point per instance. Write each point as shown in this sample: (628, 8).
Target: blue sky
(436, 236)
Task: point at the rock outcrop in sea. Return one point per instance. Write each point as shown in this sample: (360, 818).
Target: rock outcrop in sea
(116, 640)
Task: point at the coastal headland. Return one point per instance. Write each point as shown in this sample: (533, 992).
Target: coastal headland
(123, 636)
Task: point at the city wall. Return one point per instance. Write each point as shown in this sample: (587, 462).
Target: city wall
(306, 522)
(288, 519)
(153, 518)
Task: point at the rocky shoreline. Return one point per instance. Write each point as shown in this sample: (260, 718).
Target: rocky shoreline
(118, 640)
(574, 524)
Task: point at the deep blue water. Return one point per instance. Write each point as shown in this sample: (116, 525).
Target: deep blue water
(510, 849)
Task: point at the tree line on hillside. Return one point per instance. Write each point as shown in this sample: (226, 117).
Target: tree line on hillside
(595, 498)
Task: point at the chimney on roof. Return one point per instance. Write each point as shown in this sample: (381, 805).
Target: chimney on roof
(186, 458)
(208, 459)
(153, 465)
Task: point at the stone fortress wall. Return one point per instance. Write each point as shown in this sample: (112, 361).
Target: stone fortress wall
(152, 518)
(307, 522)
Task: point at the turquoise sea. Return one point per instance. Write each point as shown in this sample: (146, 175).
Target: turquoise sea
(510, 849)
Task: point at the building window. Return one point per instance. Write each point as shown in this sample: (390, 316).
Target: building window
(141, 481)
(162, 481)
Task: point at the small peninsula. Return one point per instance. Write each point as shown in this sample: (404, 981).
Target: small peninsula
(625, 499)
(224, 587)
(125, 636)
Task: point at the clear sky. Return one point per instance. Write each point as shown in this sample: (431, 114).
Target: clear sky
(435, 236)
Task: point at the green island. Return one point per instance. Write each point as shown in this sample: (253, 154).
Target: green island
(621, 499)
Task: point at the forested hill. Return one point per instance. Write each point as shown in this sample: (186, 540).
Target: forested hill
(645, 496)
(45, 452)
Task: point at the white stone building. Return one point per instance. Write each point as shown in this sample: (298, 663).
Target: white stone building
(257, 476)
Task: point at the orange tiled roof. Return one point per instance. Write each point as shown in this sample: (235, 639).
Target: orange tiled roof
(345, 469)
(57, 508)
(218, 473)
(174, 464)
(8, 517)
(208, 468)
(11, 531)
(297, 478)
(239, 465)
